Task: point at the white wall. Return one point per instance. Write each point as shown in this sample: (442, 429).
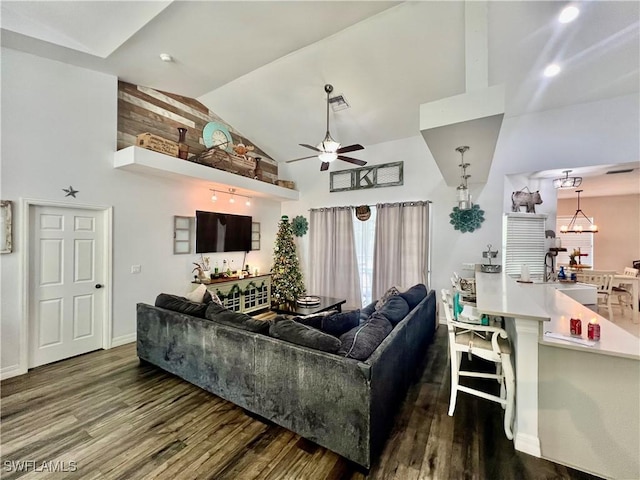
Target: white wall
(604, 132)
(59, 129)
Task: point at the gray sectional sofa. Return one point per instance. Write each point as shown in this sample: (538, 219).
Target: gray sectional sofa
(343, 404)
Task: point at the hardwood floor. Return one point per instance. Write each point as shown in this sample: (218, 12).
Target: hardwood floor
(118, 419)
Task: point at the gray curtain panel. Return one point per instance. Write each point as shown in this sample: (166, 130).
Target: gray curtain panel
(401, 249)
(334, 265)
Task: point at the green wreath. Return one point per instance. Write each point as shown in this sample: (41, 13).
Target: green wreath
(467, 220)
(299, 226)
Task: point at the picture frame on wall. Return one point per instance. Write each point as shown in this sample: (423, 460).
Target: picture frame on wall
(6, 226)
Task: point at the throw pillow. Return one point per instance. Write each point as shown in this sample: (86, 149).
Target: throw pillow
(295, 332)
(181, 304)
(395, 309)
(339, 323)
(414, 295)
(387, 295)
(360, 342)
(197, 295)
(217, 313)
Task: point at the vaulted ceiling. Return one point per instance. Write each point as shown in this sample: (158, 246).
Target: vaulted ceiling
(262, 65)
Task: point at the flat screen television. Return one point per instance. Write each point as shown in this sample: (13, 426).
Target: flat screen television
(222, 232)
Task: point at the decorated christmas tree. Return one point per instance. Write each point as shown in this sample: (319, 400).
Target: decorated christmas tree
(286, 277)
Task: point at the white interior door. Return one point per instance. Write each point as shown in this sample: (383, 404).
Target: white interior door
(66, 271)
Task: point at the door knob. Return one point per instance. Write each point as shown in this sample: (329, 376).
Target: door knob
(99, 285)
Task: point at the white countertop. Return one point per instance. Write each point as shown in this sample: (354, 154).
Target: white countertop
(499, 294)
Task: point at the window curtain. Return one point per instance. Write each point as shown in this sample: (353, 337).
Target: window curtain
(401, 254)
(334, 265)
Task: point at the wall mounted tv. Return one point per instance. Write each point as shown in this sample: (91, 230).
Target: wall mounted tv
(222, 232)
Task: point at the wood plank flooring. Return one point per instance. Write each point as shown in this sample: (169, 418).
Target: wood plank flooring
(119, 419)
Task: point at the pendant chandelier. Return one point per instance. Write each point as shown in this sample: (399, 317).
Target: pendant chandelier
(567, 182)
(463, 195)
(574, 226)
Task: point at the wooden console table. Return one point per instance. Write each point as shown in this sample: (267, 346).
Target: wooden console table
(243, 295)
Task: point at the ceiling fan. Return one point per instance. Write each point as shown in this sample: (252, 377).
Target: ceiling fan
(329, 150)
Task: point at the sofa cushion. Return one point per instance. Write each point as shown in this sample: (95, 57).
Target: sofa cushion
(217, 313)
(339, 323)
(395, 309)
(361, 341)
(295, 332)
(387, 295)
(414, 295)
(181, 304)
(366, 312)
(314, 320)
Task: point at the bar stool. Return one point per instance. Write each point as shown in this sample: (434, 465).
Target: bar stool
(486, 342)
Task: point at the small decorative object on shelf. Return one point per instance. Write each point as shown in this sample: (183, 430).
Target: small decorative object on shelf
(157, 144)
(300, 226)
(183, 148)
(561, 274)
(575, 327)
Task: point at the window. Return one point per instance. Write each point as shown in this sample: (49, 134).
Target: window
(524, 243)
(365, 234)
(575, 241)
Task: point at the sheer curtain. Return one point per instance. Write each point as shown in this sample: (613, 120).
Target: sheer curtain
(334, 265)
(401, 254)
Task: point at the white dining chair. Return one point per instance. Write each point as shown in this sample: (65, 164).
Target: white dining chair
(486, 342)
(623, 291)
(603, 280)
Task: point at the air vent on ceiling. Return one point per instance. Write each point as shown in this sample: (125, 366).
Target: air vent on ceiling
(626, 170)
(338, 103)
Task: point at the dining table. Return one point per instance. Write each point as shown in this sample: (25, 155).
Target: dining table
(625, 281)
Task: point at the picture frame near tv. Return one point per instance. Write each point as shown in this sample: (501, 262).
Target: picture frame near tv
(222, 232)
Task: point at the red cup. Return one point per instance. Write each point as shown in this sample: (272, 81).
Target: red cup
(575, 327)
(593, 331)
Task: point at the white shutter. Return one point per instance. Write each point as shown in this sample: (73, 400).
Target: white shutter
(523, 242)
(574, 241)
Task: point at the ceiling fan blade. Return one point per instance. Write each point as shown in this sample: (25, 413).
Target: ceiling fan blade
(310, 146)
(324, 166)
(350, 148)
(352, 160)
(301, 158)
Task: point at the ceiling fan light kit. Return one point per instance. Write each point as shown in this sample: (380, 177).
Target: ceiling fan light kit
(328, 149)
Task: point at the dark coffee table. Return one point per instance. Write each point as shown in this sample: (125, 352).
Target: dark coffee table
(326, 303)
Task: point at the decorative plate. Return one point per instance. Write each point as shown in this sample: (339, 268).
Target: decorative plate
(308, 300)
(300, 226)
(467, 220)
(215, 134)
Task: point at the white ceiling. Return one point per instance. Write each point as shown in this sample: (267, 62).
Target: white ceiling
(262, 65)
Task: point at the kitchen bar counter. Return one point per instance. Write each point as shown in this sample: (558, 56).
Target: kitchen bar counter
(575, 404)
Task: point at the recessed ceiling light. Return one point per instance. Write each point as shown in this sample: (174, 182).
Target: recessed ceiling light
(552, 70)
(165, 57)
(568, 14)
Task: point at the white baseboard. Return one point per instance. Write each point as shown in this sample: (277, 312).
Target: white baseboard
(527, 444)
(123, 340)
(12, 371)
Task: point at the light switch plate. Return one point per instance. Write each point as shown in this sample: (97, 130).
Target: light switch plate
(136, 268)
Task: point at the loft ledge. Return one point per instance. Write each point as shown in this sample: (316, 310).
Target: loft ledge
(140, 160)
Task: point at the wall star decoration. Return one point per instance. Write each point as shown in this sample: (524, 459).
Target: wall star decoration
(300, 226)
(467, 220)
(70, 192)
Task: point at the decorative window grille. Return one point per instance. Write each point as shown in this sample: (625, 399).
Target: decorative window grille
(385, 175)
(523, 243)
